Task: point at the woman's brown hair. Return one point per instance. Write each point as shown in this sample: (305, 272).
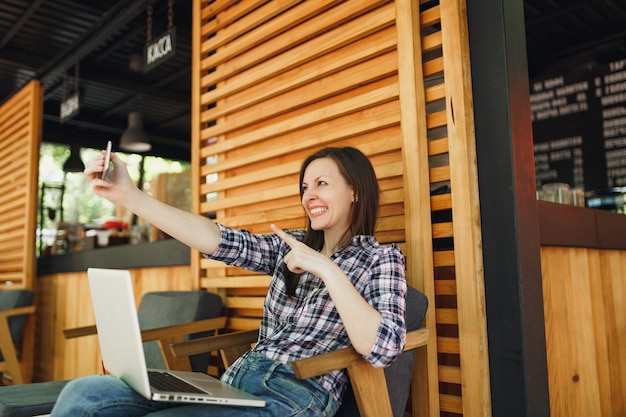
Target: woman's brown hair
(359, 173)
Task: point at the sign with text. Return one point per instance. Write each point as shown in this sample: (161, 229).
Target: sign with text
(70, 107)
(579, 126)
(159, 50)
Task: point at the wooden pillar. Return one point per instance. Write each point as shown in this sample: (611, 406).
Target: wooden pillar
(506, 175)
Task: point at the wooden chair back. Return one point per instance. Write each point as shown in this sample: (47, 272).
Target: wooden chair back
(167, 317)
(374, 392)
(17, 314)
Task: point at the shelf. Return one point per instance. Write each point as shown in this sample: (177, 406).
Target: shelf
(167, 252)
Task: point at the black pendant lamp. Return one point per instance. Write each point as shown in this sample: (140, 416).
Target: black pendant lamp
(73, 163)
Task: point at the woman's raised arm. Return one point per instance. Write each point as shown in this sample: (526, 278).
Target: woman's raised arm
(191, 229)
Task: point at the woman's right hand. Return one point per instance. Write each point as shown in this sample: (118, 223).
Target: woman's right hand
(117, 183)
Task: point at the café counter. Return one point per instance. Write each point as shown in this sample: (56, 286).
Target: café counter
(583, 270)
(564, 225)
(168, 252)
(63, 299)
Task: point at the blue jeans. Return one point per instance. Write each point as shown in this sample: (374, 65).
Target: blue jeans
(103, 396)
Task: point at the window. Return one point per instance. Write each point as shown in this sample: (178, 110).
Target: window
(66, 197)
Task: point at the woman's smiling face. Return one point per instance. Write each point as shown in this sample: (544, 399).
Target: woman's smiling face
(327, 197)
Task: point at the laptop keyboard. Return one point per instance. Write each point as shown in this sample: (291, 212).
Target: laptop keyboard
(164, 381)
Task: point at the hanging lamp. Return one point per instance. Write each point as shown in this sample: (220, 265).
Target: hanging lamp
(134, 138)
(73, 163)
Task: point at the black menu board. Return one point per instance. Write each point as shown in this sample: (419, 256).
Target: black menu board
(579, 126)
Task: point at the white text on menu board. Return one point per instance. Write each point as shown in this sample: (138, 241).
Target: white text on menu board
(611, 89)
(562, 149)
(552, 98)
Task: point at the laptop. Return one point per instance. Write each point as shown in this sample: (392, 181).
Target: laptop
(122, 349)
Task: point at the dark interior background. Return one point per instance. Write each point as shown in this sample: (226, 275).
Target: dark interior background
(44, 39)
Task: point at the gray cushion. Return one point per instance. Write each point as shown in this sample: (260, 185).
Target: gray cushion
(399, 373)
(29, 399)
(167, 308)
(13, 298)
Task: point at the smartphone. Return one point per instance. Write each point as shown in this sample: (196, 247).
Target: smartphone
(107, 160)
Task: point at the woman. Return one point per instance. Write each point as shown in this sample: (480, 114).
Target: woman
(333, 286)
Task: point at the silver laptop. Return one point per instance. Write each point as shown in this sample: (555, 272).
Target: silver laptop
(122, 349)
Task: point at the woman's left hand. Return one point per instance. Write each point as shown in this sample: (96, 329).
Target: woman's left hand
(361, 319)
(301, 258)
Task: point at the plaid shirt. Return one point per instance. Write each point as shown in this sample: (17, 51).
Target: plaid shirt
(308, 324)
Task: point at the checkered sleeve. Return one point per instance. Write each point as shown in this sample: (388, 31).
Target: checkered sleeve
(255, 252)
(386, 292)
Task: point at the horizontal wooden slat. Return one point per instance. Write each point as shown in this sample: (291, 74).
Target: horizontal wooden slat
(243, 323)
(9, 267)
(438, 146)
(433, 67)
(236, 282)
(441, 202)
(451, 404)
(390, 223)
(449, 374)
(245, 302)
(435, 120)
(431, 16)
(447, 316)
(441, 230)
(440, 174)
(431, 42)
(443, 258)
(448, 345)
(445, 287)
(12, 276)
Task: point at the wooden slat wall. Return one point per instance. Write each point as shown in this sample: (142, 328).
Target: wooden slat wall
(584, 292)
(20, 136)
(275, 81)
